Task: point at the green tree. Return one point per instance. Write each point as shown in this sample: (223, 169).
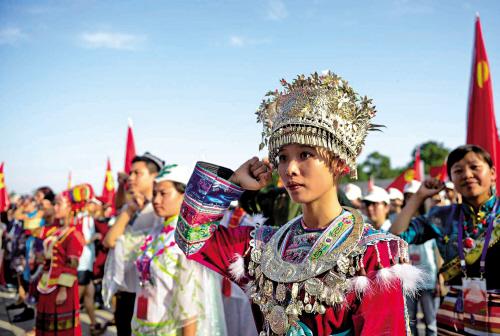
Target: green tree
(433, 154)
(378, 165)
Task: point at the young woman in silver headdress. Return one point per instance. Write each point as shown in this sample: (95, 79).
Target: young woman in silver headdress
(325, 272)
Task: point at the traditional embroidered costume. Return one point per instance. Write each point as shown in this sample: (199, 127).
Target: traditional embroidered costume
(61, 243)
(447, 224)
(63, 246)
(345, 279)
(173, 291)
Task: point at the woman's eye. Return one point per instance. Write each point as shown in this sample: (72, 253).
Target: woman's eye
(305, 155)
(281, 158)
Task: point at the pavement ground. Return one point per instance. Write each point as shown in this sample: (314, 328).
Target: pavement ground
(20, 329)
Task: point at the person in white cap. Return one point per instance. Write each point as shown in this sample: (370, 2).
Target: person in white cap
(354, 194)
(451, 194)
(131, 226)
(396, 198)
(439, 199)
(176, 296)
(377, 208)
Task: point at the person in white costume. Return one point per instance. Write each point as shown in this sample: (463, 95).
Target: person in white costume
(176, 296)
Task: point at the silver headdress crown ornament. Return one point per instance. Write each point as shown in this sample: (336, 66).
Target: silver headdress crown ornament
(319, 110)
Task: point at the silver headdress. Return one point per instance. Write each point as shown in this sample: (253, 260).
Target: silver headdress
(319, 110)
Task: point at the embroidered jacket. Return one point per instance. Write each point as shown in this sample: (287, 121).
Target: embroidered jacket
(442, 223)
(60, 244)
(335, 282)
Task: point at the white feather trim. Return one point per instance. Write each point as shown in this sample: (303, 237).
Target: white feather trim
(360, 284)
(412, 278)
(258, 220)
(385, 277)
(237, 267)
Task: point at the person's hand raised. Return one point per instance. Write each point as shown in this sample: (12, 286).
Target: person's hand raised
(429, 188)
(136, 201)
(122, 178)
(254, 174)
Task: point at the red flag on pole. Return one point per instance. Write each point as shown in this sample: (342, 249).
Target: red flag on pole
(108, 189)
(481, 123)
(400, 181)
(4, 196)
(439, 172)
(129, 149)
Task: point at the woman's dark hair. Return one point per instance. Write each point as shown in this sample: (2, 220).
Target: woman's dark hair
(48, 194)
(180, 187)
(460, 152)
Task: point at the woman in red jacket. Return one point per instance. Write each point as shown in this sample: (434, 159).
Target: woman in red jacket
(58, 308)
(325, 272)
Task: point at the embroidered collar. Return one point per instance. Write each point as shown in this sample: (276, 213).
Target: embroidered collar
(154, 246)
(339, 239)
(483, 210)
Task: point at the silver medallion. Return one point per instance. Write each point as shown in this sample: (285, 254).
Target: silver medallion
(278, 320)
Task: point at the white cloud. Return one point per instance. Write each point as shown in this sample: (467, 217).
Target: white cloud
(414, 7)
(238, 41)
(276, 10)
(109, 40)
(11, 35)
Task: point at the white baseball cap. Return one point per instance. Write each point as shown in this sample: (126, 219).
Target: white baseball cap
(352, 192)
(174, 173)
(412, 187)
(449, 185)
(395, 194)
(377, 194)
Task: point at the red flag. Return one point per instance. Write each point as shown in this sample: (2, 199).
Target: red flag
(129, 149)
(4, 196)
(400, 181)
(414, 173)
(418, 167)
(481, 123)
(108, 189)
(439, 172)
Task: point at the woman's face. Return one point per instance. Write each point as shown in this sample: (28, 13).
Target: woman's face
(39, 196)
(377, 212)
(473, 177)
(305, 172)
(167, 200)
(62, 208)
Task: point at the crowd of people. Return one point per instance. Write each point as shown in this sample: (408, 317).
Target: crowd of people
(212, 251)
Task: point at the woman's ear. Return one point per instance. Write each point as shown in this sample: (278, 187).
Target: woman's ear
(338, 167)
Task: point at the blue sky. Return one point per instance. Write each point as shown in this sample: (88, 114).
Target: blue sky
(190, 75)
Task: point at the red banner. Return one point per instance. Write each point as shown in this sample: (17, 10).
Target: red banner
(410, 174)
(4, 196)
(129, 149)
(481, 123)
(439, 172)
(108, 189)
